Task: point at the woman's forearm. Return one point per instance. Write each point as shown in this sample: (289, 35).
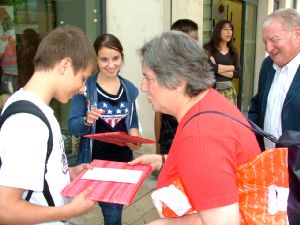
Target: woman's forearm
(225, 68)
(227, 74)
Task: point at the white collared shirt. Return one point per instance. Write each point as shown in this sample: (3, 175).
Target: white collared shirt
(278, 91)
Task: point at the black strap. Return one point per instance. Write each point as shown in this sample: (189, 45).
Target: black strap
(256, 129)
(23, 106)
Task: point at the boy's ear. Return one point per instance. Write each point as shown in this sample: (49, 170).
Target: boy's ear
(65, 64)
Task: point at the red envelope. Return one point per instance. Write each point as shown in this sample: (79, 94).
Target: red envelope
(108, 191)
(119, 138)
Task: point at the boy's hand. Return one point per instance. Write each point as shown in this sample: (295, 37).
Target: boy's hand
(81, 204)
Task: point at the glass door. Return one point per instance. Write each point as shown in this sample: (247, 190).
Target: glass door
(248, 53)
(28, 21)
(243, 16)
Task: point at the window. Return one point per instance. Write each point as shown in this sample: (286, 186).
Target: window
(27, 21)
(276, 5)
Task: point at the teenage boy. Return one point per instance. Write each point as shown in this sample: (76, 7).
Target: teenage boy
(63, 62)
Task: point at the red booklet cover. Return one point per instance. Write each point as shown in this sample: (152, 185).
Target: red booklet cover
(119, 138)
(108, 191)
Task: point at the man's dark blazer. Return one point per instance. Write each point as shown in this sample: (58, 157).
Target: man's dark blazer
(290, 114)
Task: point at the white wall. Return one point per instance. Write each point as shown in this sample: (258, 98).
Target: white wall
(134, 22)
(286, 4)
(189, 9)
(264, 9)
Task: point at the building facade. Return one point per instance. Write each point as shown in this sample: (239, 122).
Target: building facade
(137, 21)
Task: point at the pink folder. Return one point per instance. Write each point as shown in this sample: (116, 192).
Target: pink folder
(119, 138)
(108, 191)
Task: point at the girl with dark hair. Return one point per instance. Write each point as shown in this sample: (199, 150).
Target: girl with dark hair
(107, 106)
(224, 58)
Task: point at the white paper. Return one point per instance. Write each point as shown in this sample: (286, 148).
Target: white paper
(116, 175)
(277, 199)
(173, 198)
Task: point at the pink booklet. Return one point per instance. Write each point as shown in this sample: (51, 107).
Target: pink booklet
(109, 191)
(119, 138)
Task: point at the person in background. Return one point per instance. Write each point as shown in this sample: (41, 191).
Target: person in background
(208, 148)
(4, 90)
(186, 26)
(108, 106)
(8, 61)
(276, 106)
(60, 72)
(30, 40)
(165, 125)
(224, 59)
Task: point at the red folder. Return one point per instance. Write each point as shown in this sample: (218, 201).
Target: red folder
(119, 138)
(108, 191)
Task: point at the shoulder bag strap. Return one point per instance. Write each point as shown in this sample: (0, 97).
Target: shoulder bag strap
(24, 106)
(256, 129)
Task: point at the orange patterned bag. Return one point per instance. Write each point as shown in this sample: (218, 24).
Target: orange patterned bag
(263, 191)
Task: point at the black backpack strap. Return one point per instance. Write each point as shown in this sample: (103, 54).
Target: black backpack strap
(256, 129)
(23, 106)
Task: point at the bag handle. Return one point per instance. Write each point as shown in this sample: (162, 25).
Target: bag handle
(256, 129)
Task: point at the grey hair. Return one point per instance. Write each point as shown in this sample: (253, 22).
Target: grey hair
(175, 57)
(288, 18)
